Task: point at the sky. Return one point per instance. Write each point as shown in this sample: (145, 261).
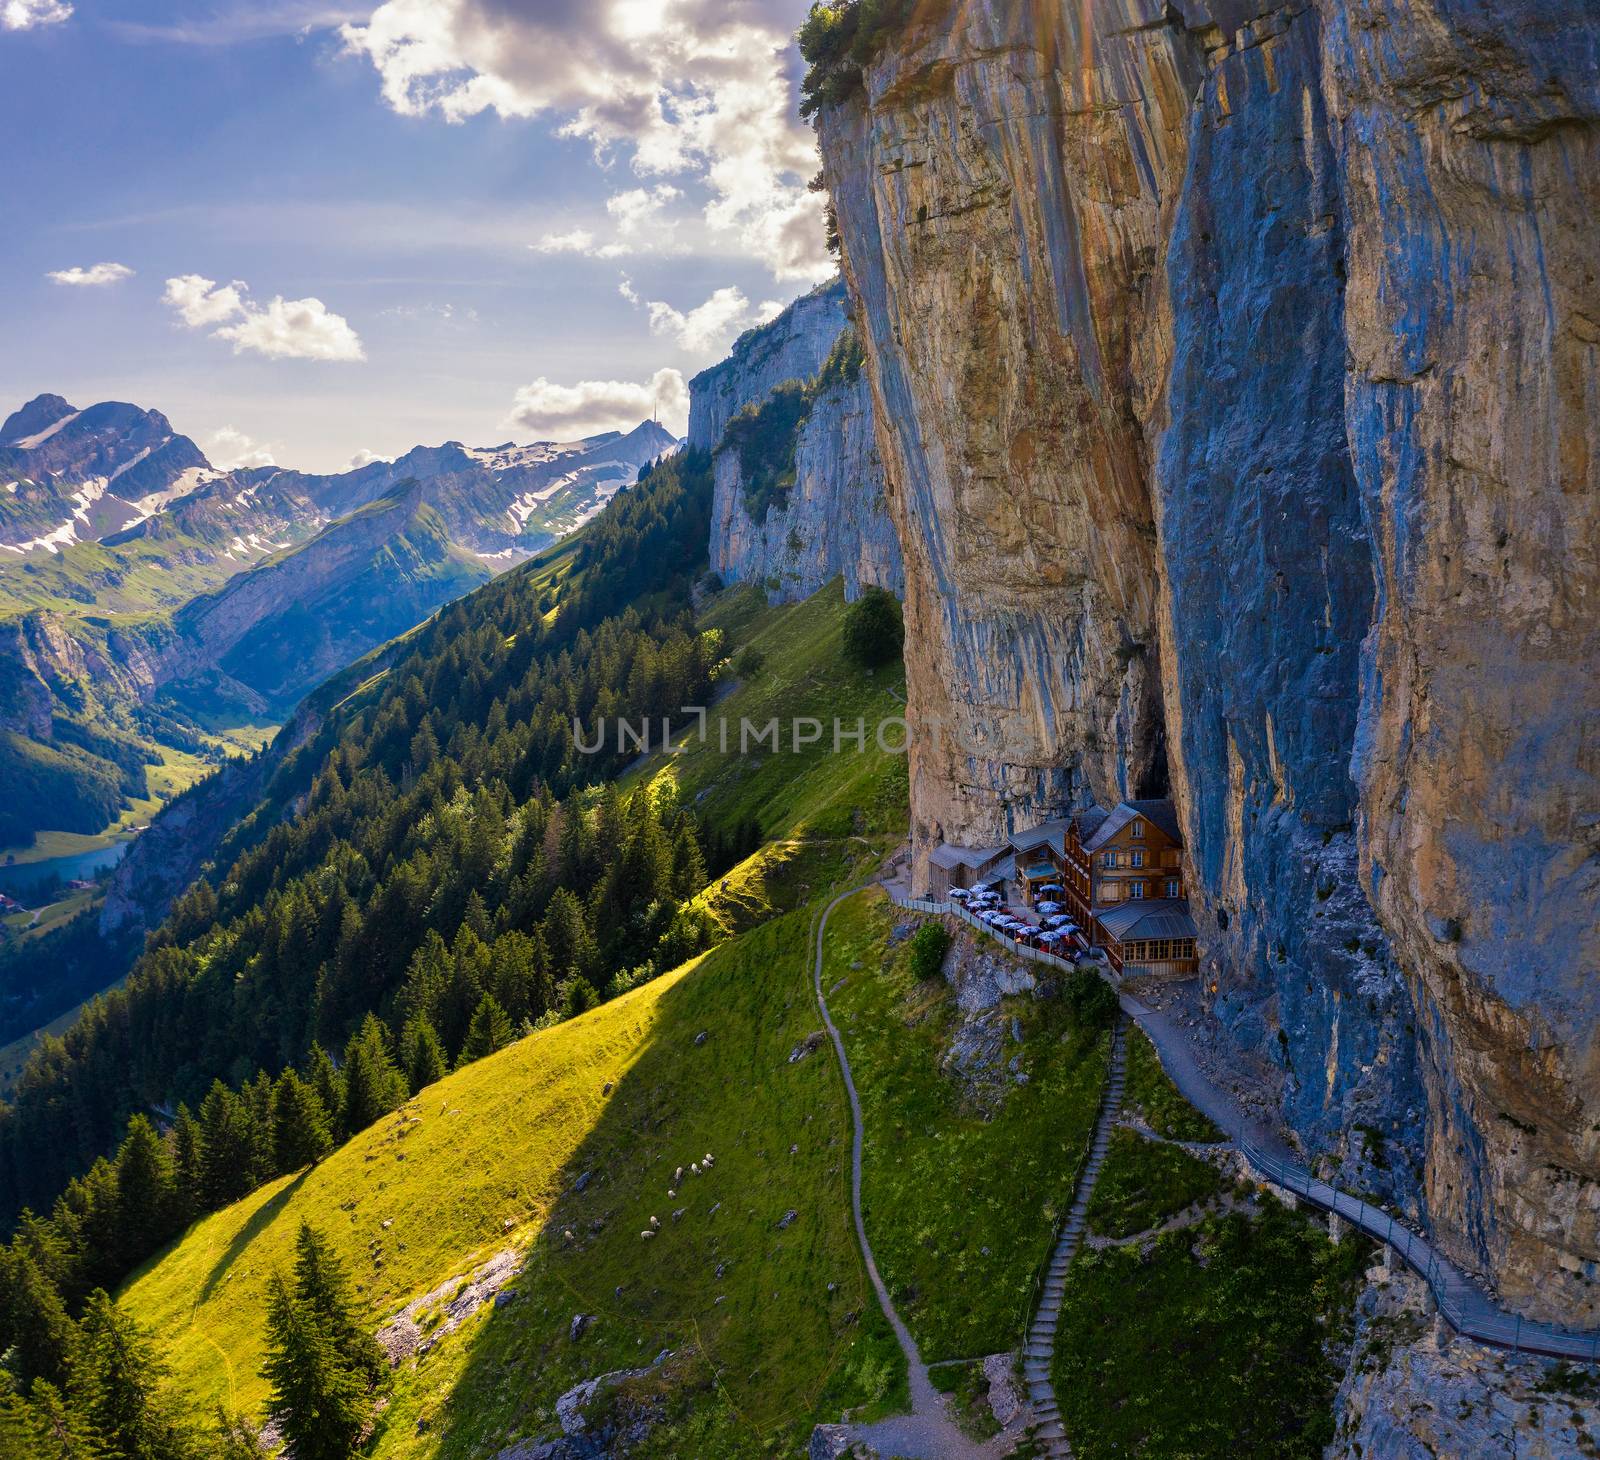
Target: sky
(315, 233)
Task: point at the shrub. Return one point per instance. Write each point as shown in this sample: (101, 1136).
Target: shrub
(874, 631)
(928, 946)
(750, 663)
(1092, 1000)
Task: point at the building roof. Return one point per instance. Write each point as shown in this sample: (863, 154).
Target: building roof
(1144, 918)
(1089, 820)
(1046, 833)
(947, 856)
(1160, 814)
(1002, 871)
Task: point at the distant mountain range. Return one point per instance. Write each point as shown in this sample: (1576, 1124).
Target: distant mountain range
(149, 601)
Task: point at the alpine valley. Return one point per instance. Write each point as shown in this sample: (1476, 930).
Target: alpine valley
(156, 613)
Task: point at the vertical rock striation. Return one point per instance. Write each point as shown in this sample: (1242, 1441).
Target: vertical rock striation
(1268, 571)
(1235, 369)
(1001, 209)
(832, 520)
(1469, 145)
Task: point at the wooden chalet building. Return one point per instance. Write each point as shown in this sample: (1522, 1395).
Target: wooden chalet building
(1121, 875)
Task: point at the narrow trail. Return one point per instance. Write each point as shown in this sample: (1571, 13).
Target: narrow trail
(928, 1432)
(1040, 1348)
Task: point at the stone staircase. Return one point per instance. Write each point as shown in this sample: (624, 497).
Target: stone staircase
(1040, 1347)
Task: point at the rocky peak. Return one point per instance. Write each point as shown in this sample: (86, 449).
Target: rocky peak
(39, 414)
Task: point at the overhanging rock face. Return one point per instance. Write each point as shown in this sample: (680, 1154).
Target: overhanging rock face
(1237, 373)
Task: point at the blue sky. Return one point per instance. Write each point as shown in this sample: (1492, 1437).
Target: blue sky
(331, 229)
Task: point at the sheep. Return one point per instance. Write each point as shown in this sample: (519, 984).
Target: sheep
(648, 1233)
(655, 1221)
(677, 1176)
(695, 1169)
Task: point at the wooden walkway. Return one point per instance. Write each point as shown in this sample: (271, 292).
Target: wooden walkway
(1464, 1305)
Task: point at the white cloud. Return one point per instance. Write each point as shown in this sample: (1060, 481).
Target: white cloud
(282, 329)
(364, 458)
(708, 328)
(702, 89)
(549, 411)
(639, 207)
(576, 240)
(228, 449)
(93, 277)
(201, 301)
(25, 14)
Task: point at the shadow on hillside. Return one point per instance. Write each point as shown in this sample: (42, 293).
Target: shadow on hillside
(753, 1278)
(260, 1220)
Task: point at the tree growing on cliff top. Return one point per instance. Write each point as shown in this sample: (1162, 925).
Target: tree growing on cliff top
(874, 632)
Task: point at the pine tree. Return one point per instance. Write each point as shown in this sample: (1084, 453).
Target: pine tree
(319, 1403)
(427, 978)
(188, 1174)
(567, 936)
(373, 1086)
(490, 1030)
(227, 1148)
(476, 917)
(35, 1332)
(301, 1135)
(43, 1426)
(329, 1085)
(469, 978)
(256, 1097)
(421, 1054)
(147, 1192)
(236, 1439)
(117, 1387)
(688, 862)
(516, 974)
(320, 1283)
(647, 861)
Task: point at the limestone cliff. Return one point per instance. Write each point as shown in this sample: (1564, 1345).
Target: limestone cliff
(830, 517)
(790, 347)
(1235, 366)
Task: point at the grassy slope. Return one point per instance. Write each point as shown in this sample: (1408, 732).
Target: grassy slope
(1143, 1183)
(961, 1207)
(503, 1140)
(809, 793)
(781, 1351)
(1151, 1093)
(1208, 1341)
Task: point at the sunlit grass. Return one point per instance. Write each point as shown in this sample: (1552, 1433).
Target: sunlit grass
(812, 791)
(504, 1140)
(961, 1202)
